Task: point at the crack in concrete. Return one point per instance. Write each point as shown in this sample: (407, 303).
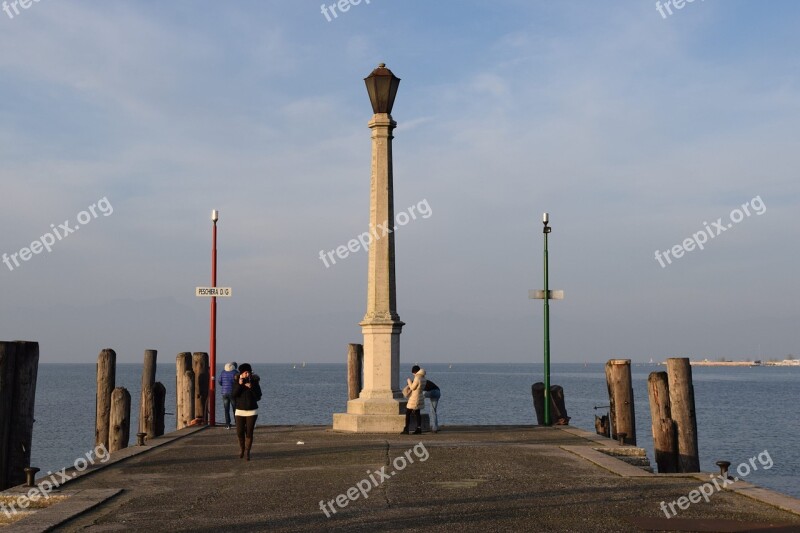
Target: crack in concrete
(388, 463)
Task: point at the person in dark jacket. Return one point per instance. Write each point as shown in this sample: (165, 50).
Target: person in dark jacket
(246, 394)
(433, 393)
(226, 381)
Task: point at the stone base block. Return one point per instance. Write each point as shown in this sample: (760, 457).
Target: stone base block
(355, 423)
(377, 406)
(368, 423)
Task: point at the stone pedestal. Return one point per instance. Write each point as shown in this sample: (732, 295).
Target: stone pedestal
(380, 408)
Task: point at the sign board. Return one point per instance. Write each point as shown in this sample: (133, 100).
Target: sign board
(221, 292)
(539, 295)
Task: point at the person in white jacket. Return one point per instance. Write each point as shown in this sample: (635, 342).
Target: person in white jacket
(416, 399)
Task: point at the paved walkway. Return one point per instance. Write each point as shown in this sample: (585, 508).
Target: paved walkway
(461, 479)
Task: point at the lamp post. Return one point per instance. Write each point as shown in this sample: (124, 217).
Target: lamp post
(546, 295)
(380, 406)
(546, 230)
(213, 342)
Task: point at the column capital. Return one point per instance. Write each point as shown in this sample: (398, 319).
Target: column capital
(382, 120)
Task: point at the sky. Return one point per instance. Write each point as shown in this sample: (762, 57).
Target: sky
(635, 130)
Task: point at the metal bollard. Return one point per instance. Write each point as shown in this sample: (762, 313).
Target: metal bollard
(140, 439)
(30, 476)
(621, 438)
(723, 468)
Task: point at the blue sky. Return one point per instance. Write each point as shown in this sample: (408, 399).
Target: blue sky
(632, 130)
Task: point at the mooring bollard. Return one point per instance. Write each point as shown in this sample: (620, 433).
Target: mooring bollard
(20, 438)
(147, 402)
(160, 392)
(30, 476)
(620, 396)
(621, 438)
(140, 439)
(682, 409)
(558, 407)
(355, 362)
(106, 377)
(665, 439)
(200, 365)
(183, 363)
(119, 420)
(723, 468)
(19, 366)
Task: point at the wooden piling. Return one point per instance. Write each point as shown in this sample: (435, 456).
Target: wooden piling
(106, 376)
(8, 352)
(186, 400)
(149, 368)
(19, 368)
(601, 426)
(620, 397)
(681, 399)
(20, 435)
(664, 437)
(120, 420)
(160, 397)
(558, 407)
(183, 362)
(537, 391)
(201, 368)
(355, 361)
(147, 413)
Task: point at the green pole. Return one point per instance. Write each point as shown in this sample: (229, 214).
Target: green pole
(547, 421)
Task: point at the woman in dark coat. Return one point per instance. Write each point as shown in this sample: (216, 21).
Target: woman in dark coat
(246, 394)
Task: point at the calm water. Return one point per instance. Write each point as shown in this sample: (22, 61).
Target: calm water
(741, 411)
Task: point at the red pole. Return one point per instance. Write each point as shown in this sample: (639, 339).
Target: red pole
(213, 348)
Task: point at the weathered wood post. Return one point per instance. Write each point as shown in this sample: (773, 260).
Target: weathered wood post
(558, 407)
(665, 444)
(106, 376)
(160, 396)
(120, 419)
(681, 400)
(183, 362)
(19, 368)
(620, 397)
(149, 368)
(147, 420)
(8, 352)
(186, 394)
(355, 359)
(601, 426)
(147, 412)
(20, 434)
(201, 369)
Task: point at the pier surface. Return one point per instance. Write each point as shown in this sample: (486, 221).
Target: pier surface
(471, 479)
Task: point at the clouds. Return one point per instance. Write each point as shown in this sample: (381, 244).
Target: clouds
(630, 129)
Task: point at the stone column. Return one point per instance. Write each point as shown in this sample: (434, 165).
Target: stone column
(381, 406)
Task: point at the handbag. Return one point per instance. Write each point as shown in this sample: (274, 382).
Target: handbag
(406, 391)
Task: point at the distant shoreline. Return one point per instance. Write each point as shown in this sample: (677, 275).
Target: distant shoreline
(785, 362)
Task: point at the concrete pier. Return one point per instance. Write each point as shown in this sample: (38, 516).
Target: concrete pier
(509, 478)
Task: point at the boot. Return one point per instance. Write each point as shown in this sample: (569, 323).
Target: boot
(248, 445)
(241, 447)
